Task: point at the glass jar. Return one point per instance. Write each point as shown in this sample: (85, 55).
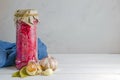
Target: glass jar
(26, 38)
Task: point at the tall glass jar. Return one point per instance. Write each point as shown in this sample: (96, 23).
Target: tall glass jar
(26, 38)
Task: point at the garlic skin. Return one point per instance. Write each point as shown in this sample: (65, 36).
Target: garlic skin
(49, 62)
(47, 72)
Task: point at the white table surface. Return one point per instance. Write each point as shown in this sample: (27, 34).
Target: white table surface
(77, 67)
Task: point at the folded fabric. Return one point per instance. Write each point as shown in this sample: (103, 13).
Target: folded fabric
(8, 52)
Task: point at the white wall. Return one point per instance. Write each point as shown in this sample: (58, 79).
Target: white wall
(69, 26)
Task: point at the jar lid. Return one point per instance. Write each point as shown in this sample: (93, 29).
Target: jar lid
(26, 15)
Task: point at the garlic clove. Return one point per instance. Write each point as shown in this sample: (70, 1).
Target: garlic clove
(47, 72)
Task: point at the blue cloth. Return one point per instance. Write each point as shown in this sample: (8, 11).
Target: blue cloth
(8, 52)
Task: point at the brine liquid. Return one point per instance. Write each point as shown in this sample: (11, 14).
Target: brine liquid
(26, 44)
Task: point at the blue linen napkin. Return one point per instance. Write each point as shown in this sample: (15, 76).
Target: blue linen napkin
(8, 52)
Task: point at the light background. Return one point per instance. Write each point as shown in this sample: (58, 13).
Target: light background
(69, 26)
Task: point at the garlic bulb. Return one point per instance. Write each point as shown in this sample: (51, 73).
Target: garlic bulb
(49, 62)
(39, 69)
(31, 68)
